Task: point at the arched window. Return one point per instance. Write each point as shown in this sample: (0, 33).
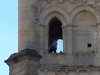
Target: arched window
(55, 33)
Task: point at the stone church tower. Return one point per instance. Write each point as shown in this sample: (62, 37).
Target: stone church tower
(76, 22)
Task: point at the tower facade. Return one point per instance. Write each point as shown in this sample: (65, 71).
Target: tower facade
(41, 22)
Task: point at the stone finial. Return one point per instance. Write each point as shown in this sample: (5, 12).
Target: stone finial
(14, 58)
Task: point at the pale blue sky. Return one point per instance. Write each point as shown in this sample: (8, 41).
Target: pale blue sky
(8, 32)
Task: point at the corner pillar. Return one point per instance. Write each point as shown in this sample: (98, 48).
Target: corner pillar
(25, 62)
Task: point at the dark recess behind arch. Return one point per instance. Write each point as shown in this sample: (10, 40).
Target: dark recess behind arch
(55, 30)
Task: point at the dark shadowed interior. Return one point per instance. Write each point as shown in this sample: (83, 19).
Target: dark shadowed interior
(55, 30)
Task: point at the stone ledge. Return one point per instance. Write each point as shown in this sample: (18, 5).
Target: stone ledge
(14, 58)
(69, 68)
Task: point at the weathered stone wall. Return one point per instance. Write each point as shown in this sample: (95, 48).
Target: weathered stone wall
(28, 25)
(76, 16)
(80, 22)
(79, 19)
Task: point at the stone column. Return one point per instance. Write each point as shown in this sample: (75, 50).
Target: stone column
(25, 62)
(98, 29)
(45, 72)
(27, 24)
(94, 32)
(98, 55)
(74, 39)
(44, 38)
(66, 71)
(72, 73)
(67, 38)
(89, 72)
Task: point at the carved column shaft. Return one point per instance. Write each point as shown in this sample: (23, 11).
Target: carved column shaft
(44, 38)
(98, 29)
(95, 40)
(98, 45)
(67, 38)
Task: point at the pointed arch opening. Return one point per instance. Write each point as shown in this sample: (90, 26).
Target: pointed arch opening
(55, 33)
(83, 33)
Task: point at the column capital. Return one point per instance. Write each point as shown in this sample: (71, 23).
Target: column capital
(43, 25)
(69, 25)
(94, 25)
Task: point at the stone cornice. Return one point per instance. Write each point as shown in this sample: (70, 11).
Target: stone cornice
(71, 1)
(68, 68)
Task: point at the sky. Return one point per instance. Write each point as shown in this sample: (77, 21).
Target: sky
(8, 32)
(59, 46)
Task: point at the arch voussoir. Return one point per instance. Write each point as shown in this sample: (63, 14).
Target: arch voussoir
(51, 12)
(87, 8)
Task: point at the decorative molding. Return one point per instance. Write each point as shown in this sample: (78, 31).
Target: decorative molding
(85, 1)
(67, 69)
(72, 1)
